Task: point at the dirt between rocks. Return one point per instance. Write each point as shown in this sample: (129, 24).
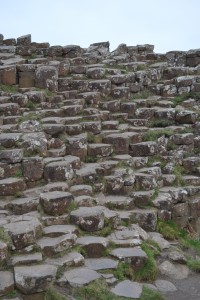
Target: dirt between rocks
(187, 289)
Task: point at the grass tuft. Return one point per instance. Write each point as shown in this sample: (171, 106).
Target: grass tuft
(8, 88)
(149, 294)
(154, 135)
(194, 264)
(168, 229)
(53, 294)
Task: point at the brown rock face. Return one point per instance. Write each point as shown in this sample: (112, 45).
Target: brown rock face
(47, 78)
(56, 203)
(33, 168)
(35, 279)
(11, 186)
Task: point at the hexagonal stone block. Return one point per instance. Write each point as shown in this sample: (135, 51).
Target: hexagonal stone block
(51, 246)
(24, 232)
(24, 259)
(56, 202)
(135, 256)
(58, 171)
(47, 78)
(35, 279)
(146, 218)
(121, 92)
(119, 141)
(78, 277)
(6, 282)
(11, 156)
(11, 186)
(9, 140)
(68, 260)
(99, 150)
(128, 289)
(102, 86)
(88, 218)
(94, 246)
(144, 149)
(22, 206)
(58, 230)
(77, 145)
(186, 117)
(101, 263)
(145, 181)
(32, 168)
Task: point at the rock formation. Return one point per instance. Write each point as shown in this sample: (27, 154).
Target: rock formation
(96, 148)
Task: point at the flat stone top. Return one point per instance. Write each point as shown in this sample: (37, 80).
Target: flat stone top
(128, 289)
(25, 200)
(80, 276)
(122, 253)
(59, 164)
(125, 234)
(86, 212)
(7, 280)
(165, 286)
(50, 242)
(68, 259)
(60, 228)
(26, 258)
(10, 180)
(101, 263)
(36, 271)
(86, 240)
(55, 195)
(22, 226)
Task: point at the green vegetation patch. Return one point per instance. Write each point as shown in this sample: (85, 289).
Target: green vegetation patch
(53, 294)
(168, 229)
(194, 264)
(147, 273)
(8, 88)
(152, 135)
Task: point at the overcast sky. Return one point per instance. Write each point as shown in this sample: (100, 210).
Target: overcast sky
(167, 24)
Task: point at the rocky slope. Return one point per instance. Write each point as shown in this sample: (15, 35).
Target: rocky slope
(99, 153)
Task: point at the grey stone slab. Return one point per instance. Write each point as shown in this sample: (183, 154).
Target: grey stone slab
(101, 263)
(165, 286)
(128, 289)
(78, 277)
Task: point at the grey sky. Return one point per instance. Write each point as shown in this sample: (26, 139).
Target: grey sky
(169, 25)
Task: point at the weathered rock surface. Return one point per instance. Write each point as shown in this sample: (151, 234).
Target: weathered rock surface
(128, 289)
(35, 279)
(78, 277)
(97, 149)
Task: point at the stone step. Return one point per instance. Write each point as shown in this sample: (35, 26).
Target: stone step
(35, 279)
(93, 246)
(99, 150)
(11, 186)
(71, 259)
(51, 246)
(135, 256)
(56, 202)
(118, 202)
(23, 205)
(9, 140)
(89, 219)
(7, 282)
(61, 170)
(24, 259)
(23, 231)
(78, 277)
(58, 230)
(98, 264)
(81, 189)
